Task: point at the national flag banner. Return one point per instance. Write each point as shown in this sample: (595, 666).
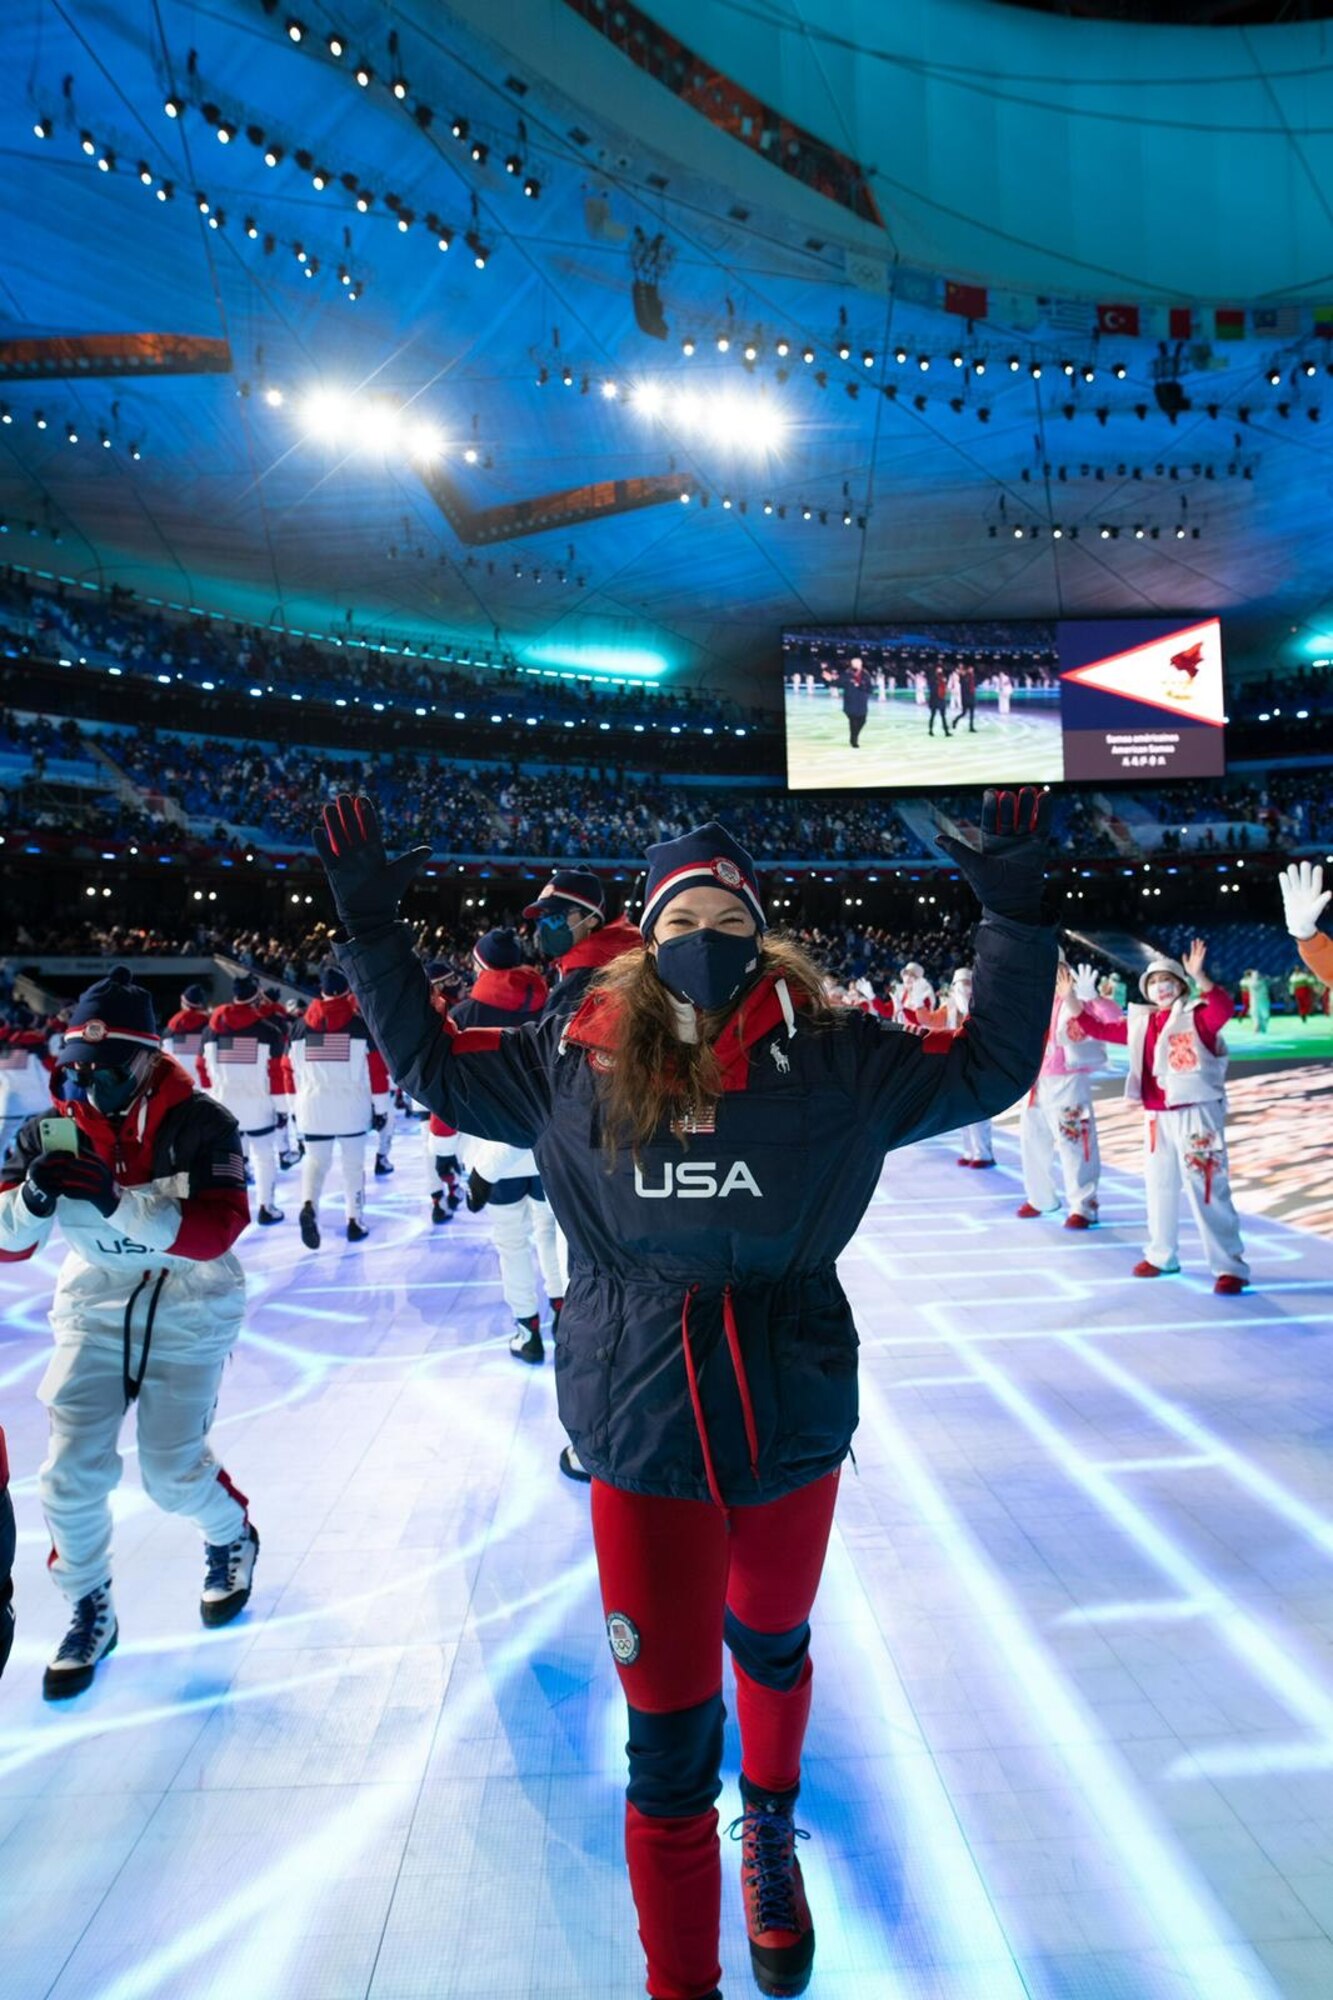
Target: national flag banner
(1013, 309)
(915, 288)
(1117, 319)
(229, 1168)
(1067, 315)
(1323, 321)
(968, 301)
(1277, 322)
(1229, 323)
(1180, 323)
(244, 1050)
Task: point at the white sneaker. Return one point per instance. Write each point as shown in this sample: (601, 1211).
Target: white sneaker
(92, 1634)
(228, 1574)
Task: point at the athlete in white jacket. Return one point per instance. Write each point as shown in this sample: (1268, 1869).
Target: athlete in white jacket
(149, 1193)
(342, 1092)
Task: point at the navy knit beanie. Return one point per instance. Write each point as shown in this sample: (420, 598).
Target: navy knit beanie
(245, 988)
(498, 951)
(708, 858)
(114, 1011)
(332, 982)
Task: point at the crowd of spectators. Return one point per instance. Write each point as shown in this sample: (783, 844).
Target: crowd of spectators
(217, 655)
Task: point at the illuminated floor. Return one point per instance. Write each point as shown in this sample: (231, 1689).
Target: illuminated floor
(1073, 1733)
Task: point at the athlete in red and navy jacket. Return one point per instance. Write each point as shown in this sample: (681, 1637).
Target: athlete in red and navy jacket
(706, 1352)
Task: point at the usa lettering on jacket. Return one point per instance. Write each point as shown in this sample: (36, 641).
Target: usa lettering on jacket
(696, 1180)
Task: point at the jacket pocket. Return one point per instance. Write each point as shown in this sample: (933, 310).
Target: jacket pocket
(815, 1352)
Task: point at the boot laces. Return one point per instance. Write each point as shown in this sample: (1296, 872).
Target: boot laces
(769, 1862)
(223, 1561)
(86, 1627)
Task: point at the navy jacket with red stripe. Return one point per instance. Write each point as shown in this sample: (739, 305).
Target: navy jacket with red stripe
(706, 1347)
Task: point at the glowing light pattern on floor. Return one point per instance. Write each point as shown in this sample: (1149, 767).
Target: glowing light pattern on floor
(1074, 1696)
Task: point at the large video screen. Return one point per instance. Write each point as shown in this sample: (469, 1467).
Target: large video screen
(1039, 702)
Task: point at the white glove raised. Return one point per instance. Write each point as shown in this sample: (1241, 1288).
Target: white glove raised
(1085, 983)
(865, 989)
(1304, 897)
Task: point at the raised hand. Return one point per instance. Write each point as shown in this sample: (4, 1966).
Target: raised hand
(1193, 960)
(1008, 870)
(1085, 982)
(1304, 897)
(367, 887)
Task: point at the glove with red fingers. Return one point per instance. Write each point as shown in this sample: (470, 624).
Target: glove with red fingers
(1008, 870)
(367, 887)
(77, 1176)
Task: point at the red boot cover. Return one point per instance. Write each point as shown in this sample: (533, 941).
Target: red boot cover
(772, 1728)
(675, 1873)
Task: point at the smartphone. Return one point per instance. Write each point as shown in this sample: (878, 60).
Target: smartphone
(58, 1135)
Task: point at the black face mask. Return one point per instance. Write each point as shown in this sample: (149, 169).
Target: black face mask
(554, 937)
(707, 967)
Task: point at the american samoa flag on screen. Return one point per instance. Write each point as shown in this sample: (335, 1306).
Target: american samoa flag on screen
(328, 1048)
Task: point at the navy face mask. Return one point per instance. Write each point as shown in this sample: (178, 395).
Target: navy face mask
(554, 937)
(707, 967)
(112, 1087)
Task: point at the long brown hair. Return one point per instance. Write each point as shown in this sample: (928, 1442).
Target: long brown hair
(654, 1077)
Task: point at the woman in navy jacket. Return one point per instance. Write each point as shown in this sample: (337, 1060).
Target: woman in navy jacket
(710, 1134)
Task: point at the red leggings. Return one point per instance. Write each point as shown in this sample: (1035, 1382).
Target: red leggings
(679, 1577)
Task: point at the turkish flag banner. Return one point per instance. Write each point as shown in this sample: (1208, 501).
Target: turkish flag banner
(1117, 319)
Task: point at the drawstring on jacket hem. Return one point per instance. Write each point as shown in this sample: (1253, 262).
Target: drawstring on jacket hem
(131, 1382)
(732, 1332)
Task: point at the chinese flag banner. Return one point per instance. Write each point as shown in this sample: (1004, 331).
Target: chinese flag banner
(1229, 323)
(968, 301)
(1117, 319)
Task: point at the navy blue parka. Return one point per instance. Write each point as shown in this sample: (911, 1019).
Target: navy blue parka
(706, 1348)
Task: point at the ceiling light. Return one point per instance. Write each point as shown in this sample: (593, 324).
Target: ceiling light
(513, 164)
(480, 151)
(251, 227)
(459, 128)
(532, 187)
(106, 161)
(480, 253)
(274, 398)
(295, 29)
(226, 133)
(399, 87)
(723, 343)
(39, 418)
(173, 107)
(1120, 371)
(1035, 371)
(43, 128)
(319, 180)
(166, 192)
(145, 173)
(867, 359)
(444, 239)
(272, 155)
(363, 201)
(71, 434)
(364, 74)
(978, 367)
(88, 143)
(335, 45)
(844, 351)
(807, 355)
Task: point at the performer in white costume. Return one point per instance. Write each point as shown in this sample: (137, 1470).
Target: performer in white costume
(1058, 1122)
(1177, 1073)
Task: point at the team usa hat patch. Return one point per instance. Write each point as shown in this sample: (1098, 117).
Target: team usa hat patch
(708, 858)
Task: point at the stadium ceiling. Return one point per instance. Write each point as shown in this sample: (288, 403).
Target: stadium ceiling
(1124, 237)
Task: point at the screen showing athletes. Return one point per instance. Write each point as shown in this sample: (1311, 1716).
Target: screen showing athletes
(1078, 700)
(916, 705)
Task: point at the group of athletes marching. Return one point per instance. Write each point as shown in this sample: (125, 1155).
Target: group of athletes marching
(712, 1417)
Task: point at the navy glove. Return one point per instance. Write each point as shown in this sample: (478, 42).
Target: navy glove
(478, 1192)
(1008, 870)
(77, 1176)
(367, 887)
(378, 1120)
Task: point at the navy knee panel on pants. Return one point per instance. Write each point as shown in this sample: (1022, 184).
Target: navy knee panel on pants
(675, 1760)
(773, 1659)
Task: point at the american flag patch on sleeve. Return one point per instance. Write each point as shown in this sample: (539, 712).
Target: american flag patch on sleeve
(228, 1168)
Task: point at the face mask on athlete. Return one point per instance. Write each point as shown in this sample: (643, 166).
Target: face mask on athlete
(113, 1087)
(554, 937)
(1162, 992)
(708, 967)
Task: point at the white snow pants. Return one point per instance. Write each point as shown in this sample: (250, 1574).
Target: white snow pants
(439, 1146)
(261, 1150)
(518, 1228)
(976, 1143)
(1058, 1122)
(83, 1390)
(384, 1139)
(315, 1170)
(1188, 1147)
